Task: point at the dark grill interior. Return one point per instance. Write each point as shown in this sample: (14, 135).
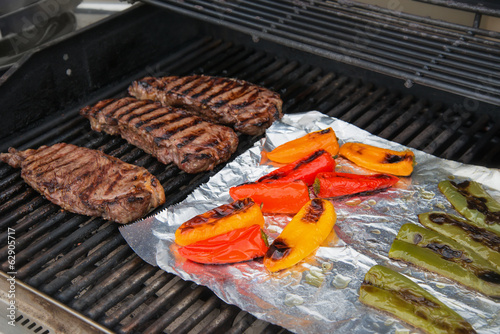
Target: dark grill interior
(86, 264)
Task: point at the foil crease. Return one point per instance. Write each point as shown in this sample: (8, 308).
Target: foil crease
(365, 229)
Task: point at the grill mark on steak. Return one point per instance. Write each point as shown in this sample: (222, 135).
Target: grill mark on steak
(139, 117)
(173, 130)
(144, 121)
(51, 165)
(203, 87)
(225, 88)
(181, 85)
(128, 109)
(111, 110)
(188, 138)
(47, 157)
(88, 182)
(144, 111)
(169, 134)
(122, 109)
(248, 108)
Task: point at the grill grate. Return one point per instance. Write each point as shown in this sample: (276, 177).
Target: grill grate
(421, 51)
(85, 263)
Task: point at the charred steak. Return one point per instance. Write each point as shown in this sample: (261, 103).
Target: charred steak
(169, 134)
(249, 108)
(88, 182)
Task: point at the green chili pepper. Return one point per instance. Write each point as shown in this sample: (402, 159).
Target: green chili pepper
(389, 291)
(484, 243)
(474, 203)
(435, 252)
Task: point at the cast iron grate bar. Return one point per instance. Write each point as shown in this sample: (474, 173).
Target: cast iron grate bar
(85, 263)
(405, 46)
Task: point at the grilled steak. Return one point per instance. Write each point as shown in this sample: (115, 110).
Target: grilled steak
(169, 134)
(249, 108)
(88, 182)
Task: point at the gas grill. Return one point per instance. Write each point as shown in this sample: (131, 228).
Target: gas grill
(430, 85)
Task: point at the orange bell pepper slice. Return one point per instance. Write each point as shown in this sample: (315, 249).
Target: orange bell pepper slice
(222, 219)
(298, 148)
(304, 169)
(379, 159)
(275, 197)
(302, 235)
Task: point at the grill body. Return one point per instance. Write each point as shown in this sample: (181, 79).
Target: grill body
(84, 263)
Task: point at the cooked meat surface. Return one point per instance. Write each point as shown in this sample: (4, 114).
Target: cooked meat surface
(169, 134)
(88, 182)
(248, 108)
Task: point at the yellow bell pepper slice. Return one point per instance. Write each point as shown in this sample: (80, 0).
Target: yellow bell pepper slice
(379, 159)
(302, 235)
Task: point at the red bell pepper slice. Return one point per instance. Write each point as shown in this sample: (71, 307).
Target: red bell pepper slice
(238, 245)
(275, 197)
(340, 184)
(304, 169)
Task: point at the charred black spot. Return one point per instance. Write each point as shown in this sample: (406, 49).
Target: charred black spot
(417, 238)
(477, 203)
(220, 103)
(457, 256)
(421, 314)
(314, 211)
(216, 214)
(278, 250)
(154, 181)
(462, 185)
(325, 131)
(439, 218)
(447, 252)
(489, 276)
(203, 156)
(408, 295)
(186, 140)
(133, 199)
(187, 91)
(481, 235)
(393, 158)
(243, 105)
(311, 158)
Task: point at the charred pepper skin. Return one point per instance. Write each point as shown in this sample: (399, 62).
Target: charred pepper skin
(434, 252)
(379, 159)
(222, 219)
(304, 169)
(386, 290)
(298, 148)
(302, 235)
(484, 243)
(474, 203)
(334, 184)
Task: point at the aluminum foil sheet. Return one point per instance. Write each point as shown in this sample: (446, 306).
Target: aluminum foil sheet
(365, 229)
